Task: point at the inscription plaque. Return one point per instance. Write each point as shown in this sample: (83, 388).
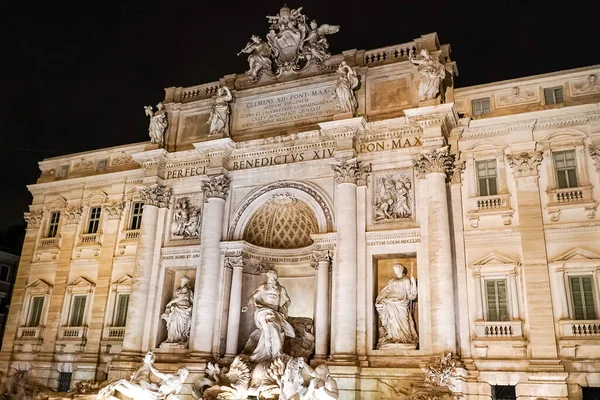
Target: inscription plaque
(284, 108)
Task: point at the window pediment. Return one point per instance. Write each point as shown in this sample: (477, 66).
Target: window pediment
(495, 259)
(81, 285)
(39, 286)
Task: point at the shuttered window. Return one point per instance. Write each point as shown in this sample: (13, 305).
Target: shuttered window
(582, 297)
(35, 311)
(553, 95)
(480, 106)
(566, 169)
(497, 307)
(77, 310)
(121, 311)
(486, 177)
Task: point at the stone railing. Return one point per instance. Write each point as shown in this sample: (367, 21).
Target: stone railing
(495, 202)
(498, 204)
(72, 332)
(30, 333)
(131, 235)
(587, 328)
(91, 238)
(114, 333)
(49, 242)
(570, 195)
(387, 54)
(198, 92)
(499, 329)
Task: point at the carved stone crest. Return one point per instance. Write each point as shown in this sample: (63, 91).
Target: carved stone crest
(393, 197)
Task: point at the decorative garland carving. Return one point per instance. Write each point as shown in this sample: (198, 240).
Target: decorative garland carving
(525, 164)
(351, 171)
(34, 219)
(156, 195)
(435, 160)
(216, 186)
(72, 215)
(595, 154)
(113, 210)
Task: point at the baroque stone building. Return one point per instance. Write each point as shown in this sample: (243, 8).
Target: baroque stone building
(330, 171)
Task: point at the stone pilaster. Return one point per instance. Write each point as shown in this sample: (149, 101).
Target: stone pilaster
(343, 341)
(235, 305)
(207, 294)
(536, 278)
(154, 197)
(433, 166)
(321, 261)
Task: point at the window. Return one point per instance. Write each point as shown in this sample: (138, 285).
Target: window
(53, 225)
(77, 310)
(63, 171)
(553, 95)
(121, 311)
(481, 106)
(4, 271)
(94, 219)
(36, 304)
(582, 296)
(504, 392)
(496, 298)
(486, 177)
(64, 381)
(136, 215)
(566, 169)
(101, 166)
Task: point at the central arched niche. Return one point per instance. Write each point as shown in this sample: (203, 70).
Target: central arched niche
(283, 222)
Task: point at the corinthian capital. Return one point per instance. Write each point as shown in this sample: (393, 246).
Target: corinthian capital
(34, 219)
(320, 256)
(525, 164)
(156, 195)
(351, 171)
(216, 186)
(72, 215)
(435, 160)
(113, 210)
(459, 167)
(595, 154)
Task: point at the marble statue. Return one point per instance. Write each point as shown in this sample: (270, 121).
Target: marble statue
(394, 307)
(259, 56)
(322, 386)
(158, 124)
(270, 301)
(218, 120)
(178, 314)
(315, 45)
(186, 220)
(393, 200)
(431, 72)
(228, 383)
(343, 96)
(140, 387)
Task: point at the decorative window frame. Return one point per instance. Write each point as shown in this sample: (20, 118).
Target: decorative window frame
(485, 206)
(37, 288)
(118, 287)
(579, 197)
(576, 262)
(94, 199)
(51, 244)
(497, 266)
(79, 286)
(130, 235)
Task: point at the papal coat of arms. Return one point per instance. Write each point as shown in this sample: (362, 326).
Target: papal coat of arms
(291, 43)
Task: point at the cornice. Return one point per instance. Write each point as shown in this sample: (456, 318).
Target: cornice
(491, 234)
(85, 182)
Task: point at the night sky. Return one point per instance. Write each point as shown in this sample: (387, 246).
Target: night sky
(77, 75)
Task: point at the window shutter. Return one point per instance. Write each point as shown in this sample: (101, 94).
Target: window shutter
(35, 311)
(122, 306)
(497, 305)
(582, 295)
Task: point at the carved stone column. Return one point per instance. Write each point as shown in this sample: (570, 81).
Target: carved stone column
(235, 305)
(433, 166)
(154, 197)
(542, 340)
(343, 343)
(206, 302)
(322, 263)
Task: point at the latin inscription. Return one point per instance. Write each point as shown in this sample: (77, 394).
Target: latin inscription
(274, 110)
(283, 159)
(185, 172)
(391, 144)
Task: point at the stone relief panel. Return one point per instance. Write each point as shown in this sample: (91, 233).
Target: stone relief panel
(517, 96)
(186, 218)
(393, 197)
(194, 126)
(585, 86)
(389, 93)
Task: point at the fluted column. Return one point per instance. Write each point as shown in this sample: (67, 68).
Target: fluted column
(207, 294)
(154, 198)
(235, 305)
(322, 263)
(433, 166)
(343, 343)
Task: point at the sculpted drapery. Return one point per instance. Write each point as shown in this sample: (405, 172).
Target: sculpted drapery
(431, 73)
(218, 121)
(393, 306)
(178, 313)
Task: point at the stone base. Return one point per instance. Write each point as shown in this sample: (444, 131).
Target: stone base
(152, 146)
(166, 345)
(397, 346)
(431, 102)
(337, 117)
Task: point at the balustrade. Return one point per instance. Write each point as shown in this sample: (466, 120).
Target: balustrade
(384, 54)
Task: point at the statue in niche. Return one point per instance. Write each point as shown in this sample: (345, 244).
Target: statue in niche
(270, 301)
(178, 314)
(431, 72)
(393, 198)
(259, 55)
(186, 220)
(315, 45)
(394, 306)
(140, 387)
(343, 96)
(158, 124)
(218, 120)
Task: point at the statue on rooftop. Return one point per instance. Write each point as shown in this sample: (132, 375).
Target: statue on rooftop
(218, 120)
(158, 124)
(315, 45)
(431, 72)
(259, 56)
(344, 97)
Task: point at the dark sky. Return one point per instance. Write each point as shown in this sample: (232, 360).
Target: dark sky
(75, 76)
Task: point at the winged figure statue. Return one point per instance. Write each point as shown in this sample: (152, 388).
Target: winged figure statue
(315, 45)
